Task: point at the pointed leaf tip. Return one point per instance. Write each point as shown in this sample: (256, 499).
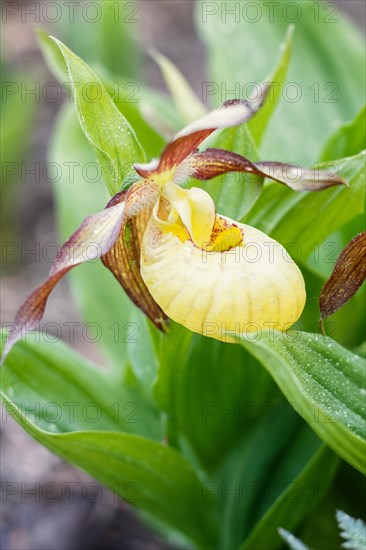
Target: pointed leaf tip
(186, 101)
(111, 136)
(213, 162)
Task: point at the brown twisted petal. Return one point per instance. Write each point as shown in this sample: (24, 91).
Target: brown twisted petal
(348, 275)
(297, 178)
(214, 162)
(123, 259)
(231, 113)
(145, 170)
(99, 230)
(142, 194)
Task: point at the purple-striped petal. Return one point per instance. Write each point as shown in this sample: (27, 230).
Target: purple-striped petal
(214, 162)
(298, 178)
(348, 275)
(95, 236)
(123, 258)
(231, 113)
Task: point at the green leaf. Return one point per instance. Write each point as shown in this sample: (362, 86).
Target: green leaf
(325, 383)
(53, 380)
(258, 124)
(52, 55)
(304, 219)
(187, 103)
(221, 408)
(126, 94)
(128, 97)
(78, 192)
(295, 502)
(204, 386)
(113, 140)
(165, 485)
(234, 193)
(62, 392)
(347, 140)
(346, 491)
(325, 83)
(176, 344)
(149, 475)
(286, 445)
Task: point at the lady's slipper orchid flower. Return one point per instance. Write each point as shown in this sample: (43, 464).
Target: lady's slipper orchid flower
(175, 256)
